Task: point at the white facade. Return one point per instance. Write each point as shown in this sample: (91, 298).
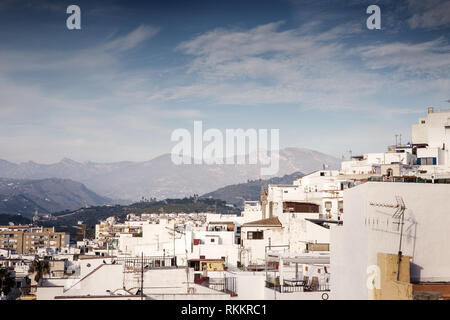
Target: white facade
(292, 235)
(253, 251)
(323, 188)
(108, 281)
(432, 135)
(252, 211)
(370, 229)
(371, 163)
(157, 240)
(215, 245)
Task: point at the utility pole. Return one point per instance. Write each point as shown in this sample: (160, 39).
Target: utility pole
(174, 255)
(186, 251)
(142, 275)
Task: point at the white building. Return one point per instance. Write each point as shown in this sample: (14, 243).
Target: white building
(215, 245)
(291, 232)
(433, 133)
(108, 280)
(158, 239)
(252, 211)
(372, 163)
(370, 228)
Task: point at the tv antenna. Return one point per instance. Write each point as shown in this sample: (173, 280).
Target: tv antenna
(189, 290)
(400, 215)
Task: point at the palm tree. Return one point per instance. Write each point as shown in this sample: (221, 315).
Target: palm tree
(6, 281)
(40, 267)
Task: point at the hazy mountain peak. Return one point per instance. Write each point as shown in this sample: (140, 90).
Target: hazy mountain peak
(160, 178)
(67, 160)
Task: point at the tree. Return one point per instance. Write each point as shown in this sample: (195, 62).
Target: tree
(6, 281)
(40, 267)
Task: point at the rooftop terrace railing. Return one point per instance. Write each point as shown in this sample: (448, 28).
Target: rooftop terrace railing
(300, 288)
(226, 285)
(408, 179)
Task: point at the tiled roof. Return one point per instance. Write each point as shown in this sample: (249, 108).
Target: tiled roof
(221, 222)
(269, 222)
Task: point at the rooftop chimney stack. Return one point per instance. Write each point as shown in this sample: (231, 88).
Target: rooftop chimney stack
(430, 110)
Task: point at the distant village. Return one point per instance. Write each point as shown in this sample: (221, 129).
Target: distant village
(375, 229)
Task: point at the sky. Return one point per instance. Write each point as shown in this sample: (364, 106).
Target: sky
(116, 89)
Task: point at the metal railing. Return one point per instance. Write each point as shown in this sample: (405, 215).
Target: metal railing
(226, 285)
(302, 288)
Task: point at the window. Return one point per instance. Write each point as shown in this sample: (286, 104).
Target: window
(322, 174)
(390, 172)
(341, 206)
(423, 122)
(255, 235)
(427, 161)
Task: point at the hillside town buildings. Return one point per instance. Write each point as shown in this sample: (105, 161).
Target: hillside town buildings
(374, 229)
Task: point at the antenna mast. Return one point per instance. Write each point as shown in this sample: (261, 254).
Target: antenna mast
(398, 214)
(142, 275)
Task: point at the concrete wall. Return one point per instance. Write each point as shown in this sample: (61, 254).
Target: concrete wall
(391, 288)
(370, 229)
(249, 285)
(106, 277)
(156, 239)
(256, 248)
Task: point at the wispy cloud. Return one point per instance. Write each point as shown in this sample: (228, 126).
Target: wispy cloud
(429, 14)
(75, 120)
(132, 39)
(269, 65)
(430, 57)
(99, 98)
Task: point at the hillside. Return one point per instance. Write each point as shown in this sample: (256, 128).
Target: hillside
(45, 195)
(236, 194)
(5, 219)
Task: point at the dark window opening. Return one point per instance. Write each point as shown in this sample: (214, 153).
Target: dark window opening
(255, 235)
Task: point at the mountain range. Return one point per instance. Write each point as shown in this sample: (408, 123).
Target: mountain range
(45, 196)
(160, 178)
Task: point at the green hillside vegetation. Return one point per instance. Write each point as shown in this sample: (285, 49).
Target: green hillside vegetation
(250, 191)
(5, 219)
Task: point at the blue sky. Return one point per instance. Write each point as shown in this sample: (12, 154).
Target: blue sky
(116, 89)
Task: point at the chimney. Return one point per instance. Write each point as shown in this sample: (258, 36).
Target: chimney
(429, 110)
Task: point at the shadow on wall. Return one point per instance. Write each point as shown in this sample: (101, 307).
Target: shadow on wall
(415, 272)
